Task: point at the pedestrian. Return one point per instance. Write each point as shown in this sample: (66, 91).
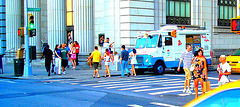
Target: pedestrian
(186, 58)
(73, 56)
(65, 57)
(107, 59)
(89, 61)
(96, 55)
(124, 61)
(200, 71)
(68, 47)
(224, 70)
(77, 51)
(48, 58)
(57, 60)
(108, 45)
(133, 61)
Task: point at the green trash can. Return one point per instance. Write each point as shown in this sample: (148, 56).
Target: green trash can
(18, 66)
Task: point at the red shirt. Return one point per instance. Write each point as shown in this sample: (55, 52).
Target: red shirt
(77, 48)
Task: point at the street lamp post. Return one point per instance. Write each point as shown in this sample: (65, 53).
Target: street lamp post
(27, 66)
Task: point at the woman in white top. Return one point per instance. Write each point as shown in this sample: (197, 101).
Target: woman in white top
(107, 59)
(133, 61)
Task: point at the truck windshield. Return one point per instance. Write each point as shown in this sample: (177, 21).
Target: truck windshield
(141, 42)
(152, 41)
(236, 53)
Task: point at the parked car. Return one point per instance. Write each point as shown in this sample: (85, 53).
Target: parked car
(227, 95)
(234, 61)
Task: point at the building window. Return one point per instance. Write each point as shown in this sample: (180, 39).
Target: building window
(226, 11)
(70, 13)
(178, 12)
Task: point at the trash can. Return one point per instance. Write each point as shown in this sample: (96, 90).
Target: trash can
(18, 66)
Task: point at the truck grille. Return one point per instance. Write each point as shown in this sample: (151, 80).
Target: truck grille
(140, 60)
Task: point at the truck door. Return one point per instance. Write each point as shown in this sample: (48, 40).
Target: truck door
(168, 51)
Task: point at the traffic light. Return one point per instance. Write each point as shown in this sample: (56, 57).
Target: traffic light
(235, 24)
(31, 22)
(21, 31)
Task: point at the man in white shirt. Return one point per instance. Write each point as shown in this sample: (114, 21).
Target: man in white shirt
(224, 70)
(107, 45)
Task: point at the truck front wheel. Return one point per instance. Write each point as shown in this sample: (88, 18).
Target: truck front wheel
(159, 68)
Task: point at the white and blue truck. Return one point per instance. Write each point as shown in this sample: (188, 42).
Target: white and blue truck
(160, 49)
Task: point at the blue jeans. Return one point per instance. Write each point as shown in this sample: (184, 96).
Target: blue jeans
(124, 66)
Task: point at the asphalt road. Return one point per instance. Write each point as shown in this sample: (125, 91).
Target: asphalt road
(142, 91)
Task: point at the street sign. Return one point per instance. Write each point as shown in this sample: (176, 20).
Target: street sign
(34, 9)
(32, 32)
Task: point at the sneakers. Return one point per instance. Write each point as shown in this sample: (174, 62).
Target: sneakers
(189, 91)
(128, 74)
(64, 73)
(184, 90)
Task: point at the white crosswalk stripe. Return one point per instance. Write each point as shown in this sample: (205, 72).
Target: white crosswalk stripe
(154, 85)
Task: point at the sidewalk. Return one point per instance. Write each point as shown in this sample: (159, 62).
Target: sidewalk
(82, 71)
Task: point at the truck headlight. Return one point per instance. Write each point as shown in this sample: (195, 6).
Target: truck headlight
(147, 60)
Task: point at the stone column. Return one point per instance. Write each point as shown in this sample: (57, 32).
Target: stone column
(56, 10)
(2, 28)
(13, 22)
(83, 24)
(36, 40)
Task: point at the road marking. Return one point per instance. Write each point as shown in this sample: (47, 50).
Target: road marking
(163, 92)
(134, 105)
(162, 104)
(134, 88)
(213, 78)
(139, 83)
(158, 89)
(127, 79)
(74, 83)
(7, 81)
(118, 82)
(146, 84)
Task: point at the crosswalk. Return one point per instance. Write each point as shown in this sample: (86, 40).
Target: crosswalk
(154, 85)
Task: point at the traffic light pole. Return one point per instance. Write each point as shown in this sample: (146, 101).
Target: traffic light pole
(27, 66)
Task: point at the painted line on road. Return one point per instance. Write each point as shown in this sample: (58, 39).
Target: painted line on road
(139, 83)
(117, 82)
(147, 84)
(134, 88)
(163, 92)
(126, 79)
(162, 104)
(213, 78)
(152, 89)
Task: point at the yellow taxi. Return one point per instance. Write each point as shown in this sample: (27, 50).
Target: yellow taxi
(234, 61)
(227, 95)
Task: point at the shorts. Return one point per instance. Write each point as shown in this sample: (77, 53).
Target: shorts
(187, 73)
(107, 63)
(64, 63)
(95, 65)
(73, 56)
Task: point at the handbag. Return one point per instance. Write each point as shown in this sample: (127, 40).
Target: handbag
(206, 86)
(192, 67)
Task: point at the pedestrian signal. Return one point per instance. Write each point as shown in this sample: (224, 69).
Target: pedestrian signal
(31, 22)
(235, 24)
(21, 31)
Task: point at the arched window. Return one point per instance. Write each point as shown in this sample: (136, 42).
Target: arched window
(178, 12)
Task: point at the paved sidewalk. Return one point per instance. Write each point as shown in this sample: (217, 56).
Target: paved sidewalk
(82, 71)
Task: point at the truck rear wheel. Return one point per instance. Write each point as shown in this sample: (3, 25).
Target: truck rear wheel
(159, 68)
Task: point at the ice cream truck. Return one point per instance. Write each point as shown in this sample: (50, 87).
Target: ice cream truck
(160, 49)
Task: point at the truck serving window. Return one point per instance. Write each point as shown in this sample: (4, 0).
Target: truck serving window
(152, 41)
(141, 42)
(168, 41)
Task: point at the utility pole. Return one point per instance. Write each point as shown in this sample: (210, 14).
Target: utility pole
(27, 66)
